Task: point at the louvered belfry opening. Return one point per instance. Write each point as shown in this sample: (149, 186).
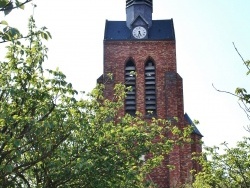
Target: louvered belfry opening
(150, 89)
(130, 82)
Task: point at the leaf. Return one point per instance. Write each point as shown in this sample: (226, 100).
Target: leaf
(7, 37)
(49, 34)
(5, 29)
(16, 143)
(8, 168)
(8, 8)
(18, 4)
(14, 31)
(3, 3)
(45, 36)
(21, 7)
(4, 22)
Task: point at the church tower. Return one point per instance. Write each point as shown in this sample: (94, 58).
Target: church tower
(148, 47)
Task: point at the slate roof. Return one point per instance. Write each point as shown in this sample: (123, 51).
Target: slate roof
(160, 30)
(190, 122)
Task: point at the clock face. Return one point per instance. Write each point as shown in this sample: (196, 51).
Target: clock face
(139, 32)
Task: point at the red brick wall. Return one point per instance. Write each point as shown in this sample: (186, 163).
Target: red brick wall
(169, 94)
(196, 148)
(162, 53)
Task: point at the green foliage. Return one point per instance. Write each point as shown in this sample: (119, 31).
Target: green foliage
(8, 5)
(230, 169)
(32, 110)
(8, 33)
(49, 138)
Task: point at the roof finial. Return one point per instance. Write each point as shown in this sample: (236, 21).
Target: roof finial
(136, 8)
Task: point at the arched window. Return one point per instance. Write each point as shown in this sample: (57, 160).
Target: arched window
(130, 82)
(150, 89)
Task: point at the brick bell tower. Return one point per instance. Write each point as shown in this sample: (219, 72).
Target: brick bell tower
(148, 47)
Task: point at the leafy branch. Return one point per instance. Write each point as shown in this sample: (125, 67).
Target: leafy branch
(241, 93)
(7, 6)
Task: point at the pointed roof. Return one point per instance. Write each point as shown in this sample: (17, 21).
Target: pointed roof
(138, 19)
(190, 122)
(160, 30)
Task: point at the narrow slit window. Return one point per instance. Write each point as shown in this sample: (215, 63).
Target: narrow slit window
(130, 83)
(150, 89)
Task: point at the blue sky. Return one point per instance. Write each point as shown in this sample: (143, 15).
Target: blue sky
(204, 32)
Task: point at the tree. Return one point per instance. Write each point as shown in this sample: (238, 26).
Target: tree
(105, 150)
(241, 93)
(230, 168)
(50, 138)
(31, 118)
(8, 5)
(9, 33)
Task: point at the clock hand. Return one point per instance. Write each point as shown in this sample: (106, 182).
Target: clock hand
(139, 33)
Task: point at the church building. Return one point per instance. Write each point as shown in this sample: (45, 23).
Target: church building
(148, 47)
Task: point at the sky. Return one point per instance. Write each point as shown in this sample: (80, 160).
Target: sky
(205, 32)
